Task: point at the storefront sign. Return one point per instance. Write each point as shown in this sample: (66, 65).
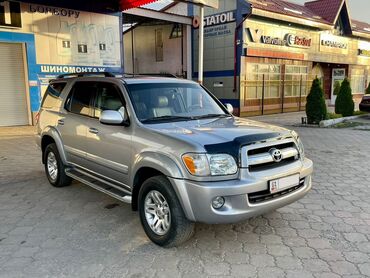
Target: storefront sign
(10, 14)
(364, 48)
(363, 52)
(330, 42)
(60, 69)
(53, 11)
(290, 40)
(215, 19)
(217, 31)
(297, 41)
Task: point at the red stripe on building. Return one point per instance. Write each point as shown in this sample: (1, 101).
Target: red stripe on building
(129, 4)
(274, 54)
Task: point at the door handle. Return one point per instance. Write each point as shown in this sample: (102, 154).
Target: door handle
(60, 122)
(93, 130)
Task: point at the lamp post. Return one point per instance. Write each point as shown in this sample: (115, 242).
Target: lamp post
(201, 46)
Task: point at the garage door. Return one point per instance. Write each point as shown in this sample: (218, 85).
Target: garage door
(13, 100)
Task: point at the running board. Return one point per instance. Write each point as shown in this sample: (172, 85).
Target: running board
(96, 183)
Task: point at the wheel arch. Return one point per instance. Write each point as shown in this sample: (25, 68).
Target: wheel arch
(148, 165)
(51, 135)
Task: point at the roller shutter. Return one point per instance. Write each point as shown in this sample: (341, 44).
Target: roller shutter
(13, 99)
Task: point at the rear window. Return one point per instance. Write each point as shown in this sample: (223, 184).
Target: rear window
(52, 95)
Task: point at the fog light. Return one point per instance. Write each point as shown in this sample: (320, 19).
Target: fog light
(218, 202)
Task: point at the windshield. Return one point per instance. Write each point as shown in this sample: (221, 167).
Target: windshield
(173, 102)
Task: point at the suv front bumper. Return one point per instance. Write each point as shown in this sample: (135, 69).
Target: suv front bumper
(196, 197)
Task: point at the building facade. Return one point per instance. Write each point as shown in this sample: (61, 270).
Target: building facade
(279, 49)
(39, 42)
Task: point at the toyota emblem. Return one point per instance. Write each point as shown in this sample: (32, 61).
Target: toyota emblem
(276, 155)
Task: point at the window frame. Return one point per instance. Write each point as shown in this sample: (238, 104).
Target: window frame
(67, 104)
(270, 70)
(303, 87)
(134, 108)
(117, 88)
(47, 90)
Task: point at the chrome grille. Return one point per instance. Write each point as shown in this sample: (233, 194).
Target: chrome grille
(258, 157)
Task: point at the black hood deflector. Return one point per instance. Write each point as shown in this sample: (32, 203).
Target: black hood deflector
(233, 147)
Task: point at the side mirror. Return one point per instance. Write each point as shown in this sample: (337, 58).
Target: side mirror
(229, 108)
(111, 117)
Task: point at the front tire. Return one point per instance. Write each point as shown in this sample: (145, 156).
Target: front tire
(161, 214)
(54, 167)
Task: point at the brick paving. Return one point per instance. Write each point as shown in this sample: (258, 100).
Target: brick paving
(71, 232)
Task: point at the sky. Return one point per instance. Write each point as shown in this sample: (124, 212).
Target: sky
(359, 9)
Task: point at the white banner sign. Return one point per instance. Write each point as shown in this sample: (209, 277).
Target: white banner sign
(333, 44)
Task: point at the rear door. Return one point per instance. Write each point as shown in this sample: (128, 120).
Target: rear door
(73, 123)
(109, 147)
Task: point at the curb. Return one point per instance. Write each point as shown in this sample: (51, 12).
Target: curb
(327, 123)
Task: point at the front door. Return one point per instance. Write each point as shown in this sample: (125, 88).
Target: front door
(109, 147)
(337, 78)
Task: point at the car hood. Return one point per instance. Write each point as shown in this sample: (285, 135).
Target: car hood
(218, 131)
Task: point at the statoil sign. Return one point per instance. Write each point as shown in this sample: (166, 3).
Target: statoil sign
(215, 19)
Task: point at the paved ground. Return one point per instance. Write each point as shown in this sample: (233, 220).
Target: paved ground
(78, 232)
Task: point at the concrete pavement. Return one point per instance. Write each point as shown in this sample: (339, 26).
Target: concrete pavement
(79, 232)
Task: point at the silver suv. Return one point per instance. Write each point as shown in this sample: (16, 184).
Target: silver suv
(171, 149)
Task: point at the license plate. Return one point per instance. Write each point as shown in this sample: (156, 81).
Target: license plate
(283, 183)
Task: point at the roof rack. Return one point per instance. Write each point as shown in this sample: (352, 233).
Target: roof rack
(170, 75)
(85, 74)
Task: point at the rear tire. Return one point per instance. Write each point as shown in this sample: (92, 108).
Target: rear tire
(161, 214)
(54, 167)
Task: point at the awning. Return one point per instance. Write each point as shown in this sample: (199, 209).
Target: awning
(129, 4)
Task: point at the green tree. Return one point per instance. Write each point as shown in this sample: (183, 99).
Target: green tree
(336, 87)
(344, 103)
(316, 106)
(368, 90)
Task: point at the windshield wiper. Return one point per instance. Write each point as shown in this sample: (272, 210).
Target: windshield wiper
(166, 118)
(207, 116)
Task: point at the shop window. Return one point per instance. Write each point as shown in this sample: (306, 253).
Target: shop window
(358, 81)
(159, 45)
(261, 77)
(296, 78)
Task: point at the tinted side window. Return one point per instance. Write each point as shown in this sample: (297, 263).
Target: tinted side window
(108, 98)
(80, 98)
(52, 95)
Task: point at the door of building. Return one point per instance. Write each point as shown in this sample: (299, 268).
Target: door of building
(14, 109)
(336, 81)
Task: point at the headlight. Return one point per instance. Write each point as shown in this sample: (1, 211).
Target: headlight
(222, 164)
(299, 144)
(210, 164)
